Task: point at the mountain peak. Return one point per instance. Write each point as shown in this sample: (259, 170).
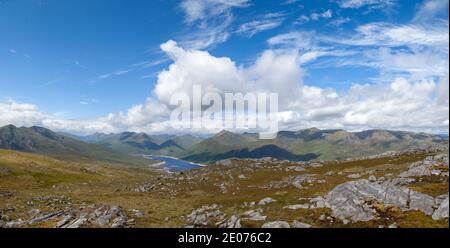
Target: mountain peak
(223, 132)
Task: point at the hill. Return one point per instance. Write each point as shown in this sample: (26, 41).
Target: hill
(44, 141)
(308, 144)
(141, 143)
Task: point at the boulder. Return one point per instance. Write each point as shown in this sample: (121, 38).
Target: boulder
(352, 200)
(276, 224)
(265, 201)
(442, 211)
(298, 224)
(254, 215)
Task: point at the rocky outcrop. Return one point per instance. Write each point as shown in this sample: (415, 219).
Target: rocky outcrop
(431, 165)
(442, 211)
(205, 215)
(354, 200)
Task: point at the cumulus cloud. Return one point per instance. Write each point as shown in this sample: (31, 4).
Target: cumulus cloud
(404, 103)
(224, 76)
(21, 114)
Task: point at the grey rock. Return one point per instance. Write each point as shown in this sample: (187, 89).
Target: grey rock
(265, 201)
(442, 211)
(119, 222)
(78, 222)
(233, 222)
(45, 217)
(254, 215)
(298, 224)
(65, 220)
(351, 200)
(297, 206)
(276, 224)
(242, 177)
(354, 176)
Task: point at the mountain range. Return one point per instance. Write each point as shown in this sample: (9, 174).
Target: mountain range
(44, 141)
(305, 144)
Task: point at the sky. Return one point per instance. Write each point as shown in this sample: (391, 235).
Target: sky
(111, 65)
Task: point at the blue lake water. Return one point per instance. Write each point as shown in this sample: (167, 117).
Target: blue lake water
(174, 164)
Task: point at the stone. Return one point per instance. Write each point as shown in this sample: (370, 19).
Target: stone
(276, 224)
(119, 222)
(234, 222)
(393, 225)
(45, 217)
(138, 213)
(318, 202)
(442, 211)
(322, 217)
(65, 220)
(354, 176)
(201, 216)
(242, 177)
(265, 201)
(297, 206)
(78, 222)
(298, 224)
(254, 215)
(372, 178)
(226, 162)
(352, 200)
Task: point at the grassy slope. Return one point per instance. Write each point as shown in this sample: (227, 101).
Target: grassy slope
(29, 175)
(46, 142)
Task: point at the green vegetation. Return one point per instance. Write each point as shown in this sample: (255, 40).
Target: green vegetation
(44, 141)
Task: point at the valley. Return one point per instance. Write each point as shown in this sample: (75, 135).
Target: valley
(408, 188)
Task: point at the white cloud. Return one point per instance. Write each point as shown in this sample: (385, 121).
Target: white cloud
(429, 9)
(417, 63)
(385, 34)
(209, 21)
(210, 34)
(21, 114)
(266, 22)
(355, 4)
(326, 14)
(339, 21)
(293, 40)
(224, 75)
(404, 103)
(302, 20)
(203, 9)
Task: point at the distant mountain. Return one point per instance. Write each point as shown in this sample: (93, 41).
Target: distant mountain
(44, 141)
(307, 144)
(141, 143)
(260, 152)
(303, 144)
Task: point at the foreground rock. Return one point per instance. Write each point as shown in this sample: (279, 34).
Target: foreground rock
(276, 224)
(357, 200)
(442, 211)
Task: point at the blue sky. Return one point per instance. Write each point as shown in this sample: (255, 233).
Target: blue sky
(84, 60)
